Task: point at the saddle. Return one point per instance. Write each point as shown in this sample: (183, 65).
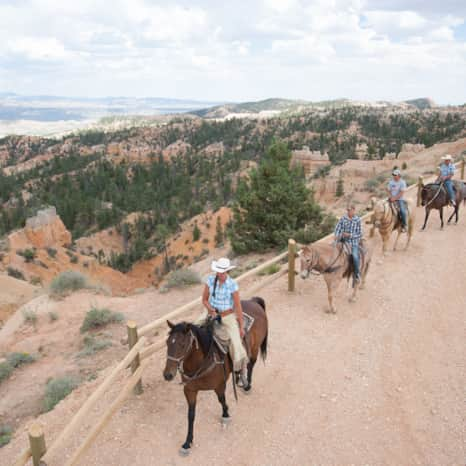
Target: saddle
(222, 341)
(346, 249)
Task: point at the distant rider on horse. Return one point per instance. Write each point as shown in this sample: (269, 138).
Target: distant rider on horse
(447, 170)
(396, 190)
(349, 230)
(221, 298)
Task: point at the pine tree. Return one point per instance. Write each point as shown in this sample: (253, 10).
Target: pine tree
(218, 233)
(196, 233)
(340, 187)
(273, 204)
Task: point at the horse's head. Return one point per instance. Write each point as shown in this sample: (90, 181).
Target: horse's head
(424, 195)
(306, 261)
(179, 345)
(380, 209)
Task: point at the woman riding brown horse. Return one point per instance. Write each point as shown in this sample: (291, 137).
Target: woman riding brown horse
(191, 350)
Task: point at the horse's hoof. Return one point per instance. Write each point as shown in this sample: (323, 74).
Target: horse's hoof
(331, 311)
(247, 390)
(184, 451)
(352, 299)
(225, 421)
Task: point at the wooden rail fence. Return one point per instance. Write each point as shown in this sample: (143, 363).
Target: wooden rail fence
(137, 355)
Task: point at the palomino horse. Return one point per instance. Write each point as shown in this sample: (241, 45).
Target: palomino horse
(386, 220)
(334, 263)
(434, 196)
(192, 351)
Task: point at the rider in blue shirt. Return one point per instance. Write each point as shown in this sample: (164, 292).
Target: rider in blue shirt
(447, 170)
(396, 190)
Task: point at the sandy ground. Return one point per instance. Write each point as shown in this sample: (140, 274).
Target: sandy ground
(380, 383)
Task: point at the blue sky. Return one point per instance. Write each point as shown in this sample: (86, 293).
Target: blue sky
(236, 51)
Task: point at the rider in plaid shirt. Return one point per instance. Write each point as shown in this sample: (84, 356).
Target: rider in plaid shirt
(349, 230)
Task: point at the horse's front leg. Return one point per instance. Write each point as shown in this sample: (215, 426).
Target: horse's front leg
(332, 309)
(426, 217)
(221, 399)
(398, 233)
(441, 217)
(191, 399)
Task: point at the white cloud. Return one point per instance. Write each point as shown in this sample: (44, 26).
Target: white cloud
(245, 50)
(37, 48)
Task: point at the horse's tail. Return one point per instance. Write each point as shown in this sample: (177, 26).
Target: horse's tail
(264, 347)
(259, 301)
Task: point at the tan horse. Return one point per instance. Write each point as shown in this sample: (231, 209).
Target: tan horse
(386, 220)
(334, 263)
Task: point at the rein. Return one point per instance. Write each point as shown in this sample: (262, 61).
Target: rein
(436, 195)
(327, 268)
(203, 368)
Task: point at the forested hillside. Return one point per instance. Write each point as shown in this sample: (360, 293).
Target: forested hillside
(173, 171)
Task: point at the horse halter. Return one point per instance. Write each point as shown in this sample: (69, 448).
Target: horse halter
(179, 361)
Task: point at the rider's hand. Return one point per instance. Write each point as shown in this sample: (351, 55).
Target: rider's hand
(241, 331)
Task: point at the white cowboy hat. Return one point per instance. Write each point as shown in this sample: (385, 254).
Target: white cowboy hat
(447, 157)
(222, 265)
(396, 172)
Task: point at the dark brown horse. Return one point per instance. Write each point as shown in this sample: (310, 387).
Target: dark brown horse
(435, 196)
(192, 351)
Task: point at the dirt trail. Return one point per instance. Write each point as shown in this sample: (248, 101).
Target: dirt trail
(380, 383)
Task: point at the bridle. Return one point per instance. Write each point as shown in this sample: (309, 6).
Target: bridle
(179, 361)
(385, 223)
(310, 264)
(202, 370)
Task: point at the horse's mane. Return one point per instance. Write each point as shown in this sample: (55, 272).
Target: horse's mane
(202, 334)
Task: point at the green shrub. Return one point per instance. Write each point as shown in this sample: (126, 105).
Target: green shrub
(15, 273)
(270, 270)
(53, 316)
(65, 282)
(30, 317)
(5, 370)
(92, 345)
(51, 252)
(74, 259)
(28, 254)
(36, 281)
(96, 318)
(5, 434)
(57, 389)
(183, 277)
(14, 360)
(18, 359)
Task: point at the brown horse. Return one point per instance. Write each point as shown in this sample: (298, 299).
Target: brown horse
(334, 263)
(435, 196)
(386, 220)
(192, 351)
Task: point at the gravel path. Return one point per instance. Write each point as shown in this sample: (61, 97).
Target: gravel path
(380, 383)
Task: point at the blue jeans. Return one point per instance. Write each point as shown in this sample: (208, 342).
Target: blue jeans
(449, 187)
(355, 254)
(404, 214)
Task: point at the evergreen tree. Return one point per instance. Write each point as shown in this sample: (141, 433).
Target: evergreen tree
(340, 187)
(273, 204)
(218, 233)
(196, 233)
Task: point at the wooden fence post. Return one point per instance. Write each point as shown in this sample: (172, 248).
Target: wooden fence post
(37, 443)
(372, 220)
(420, 185)
(462, 168)
(132, 340)
(291, 263)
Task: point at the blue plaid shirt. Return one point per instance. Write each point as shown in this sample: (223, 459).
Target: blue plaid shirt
(446, 170)
(351, 226)
(223, 298)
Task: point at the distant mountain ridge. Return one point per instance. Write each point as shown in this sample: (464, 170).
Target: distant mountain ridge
(276, 105)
